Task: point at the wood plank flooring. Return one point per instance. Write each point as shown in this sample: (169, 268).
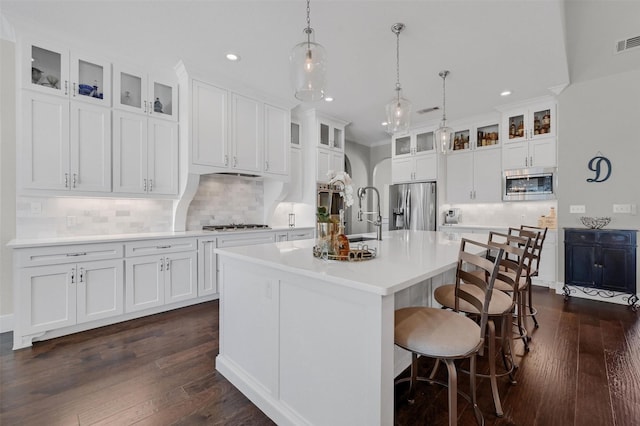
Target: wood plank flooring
(583, 369)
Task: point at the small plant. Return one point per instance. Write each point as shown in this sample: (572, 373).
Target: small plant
(323, 215)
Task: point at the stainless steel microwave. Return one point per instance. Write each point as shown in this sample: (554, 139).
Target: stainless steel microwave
(529, 184)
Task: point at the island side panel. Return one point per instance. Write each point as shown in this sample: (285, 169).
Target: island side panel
(333, 346)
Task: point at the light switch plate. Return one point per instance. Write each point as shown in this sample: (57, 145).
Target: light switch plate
(622, 208)
(577, 209)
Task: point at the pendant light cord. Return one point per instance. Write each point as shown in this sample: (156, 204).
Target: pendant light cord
(308, 30)
(444, 74)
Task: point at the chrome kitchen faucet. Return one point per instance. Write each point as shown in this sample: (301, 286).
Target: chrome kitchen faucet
(378, 222)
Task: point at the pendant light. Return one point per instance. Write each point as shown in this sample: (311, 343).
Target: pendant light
(399, 109)
(444, 134)
(308, 63)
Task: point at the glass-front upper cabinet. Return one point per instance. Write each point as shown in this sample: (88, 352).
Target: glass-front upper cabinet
(461, 140)
(53, 69)
(487, 135)
(331, 135)
(424, 141)
(533, 122)
(416, 142)
(401, 145)
(138, 92)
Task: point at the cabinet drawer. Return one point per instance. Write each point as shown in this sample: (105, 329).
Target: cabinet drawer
(149, 247)
(67, 254)
(246, 240)
(580, 237)
(301, 235)
(624, 238)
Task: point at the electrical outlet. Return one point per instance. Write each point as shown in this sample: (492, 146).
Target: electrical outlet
(622, 208)
(577, 209)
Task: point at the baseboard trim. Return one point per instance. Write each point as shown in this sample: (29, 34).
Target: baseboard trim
(6, 323)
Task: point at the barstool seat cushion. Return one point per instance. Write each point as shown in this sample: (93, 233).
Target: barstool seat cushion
(436, 332)
(499, 304)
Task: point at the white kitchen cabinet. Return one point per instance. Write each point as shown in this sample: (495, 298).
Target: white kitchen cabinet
(277, 128)
(145, 152)
(531, 153)
(281, 236)
(474, 176)
(414, 156)
(529, 135)
(296, 175)
(207, 269)
(246, 134)
(300, 234)
(166, 273)
(210, 125)
(245, 239)
(66, 145)
(326, 134)
(139, 92)
(53, 69)
(62, 286)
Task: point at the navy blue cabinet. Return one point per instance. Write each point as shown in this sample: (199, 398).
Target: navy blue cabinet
(599, 258)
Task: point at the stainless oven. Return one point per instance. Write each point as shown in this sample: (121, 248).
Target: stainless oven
(529, 184)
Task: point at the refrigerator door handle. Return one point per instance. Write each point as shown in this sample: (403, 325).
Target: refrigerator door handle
(407, 210)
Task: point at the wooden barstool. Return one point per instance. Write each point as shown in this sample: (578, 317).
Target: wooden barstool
(447, 335)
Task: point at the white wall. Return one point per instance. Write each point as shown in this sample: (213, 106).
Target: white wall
(599, 116)
(7, 176)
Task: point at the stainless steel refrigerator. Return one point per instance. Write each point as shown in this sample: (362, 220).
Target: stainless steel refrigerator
(413, 206)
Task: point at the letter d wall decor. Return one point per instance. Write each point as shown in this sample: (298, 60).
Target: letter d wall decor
(601, 166)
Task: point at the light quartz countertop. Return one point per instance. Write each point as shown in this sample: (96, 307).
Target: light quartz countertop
(90, 239)
(403, 258)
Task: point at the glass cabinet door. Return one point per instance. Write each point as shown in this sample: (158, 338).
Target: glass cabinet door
(337, 138)
(401, 145)
(91, 80)
(424, 142)
(163, 99)
(295, 134)
(487, 135)
(46, 69)
(324, 134)
(130, 90)
(542, 121)
(461, 140)
(516, 126)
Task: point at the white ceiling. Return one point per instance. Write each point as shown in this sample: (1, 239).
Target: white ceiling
(488, 46)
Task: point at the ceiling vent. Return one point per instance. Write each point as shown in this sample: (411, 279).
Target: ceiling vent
(630, 43)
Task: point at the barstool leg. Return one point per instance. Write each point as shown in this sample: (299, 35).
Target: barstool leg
(414, 377)
(453, 392)
(532, 310)
(492, 368)
(472, 390)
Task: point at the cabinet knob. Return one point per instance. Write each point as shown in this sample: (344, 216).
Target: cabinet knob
(144, 185)
(145, 107)
(161, 264)
(66, 87)
(66, 180)
(150, 185)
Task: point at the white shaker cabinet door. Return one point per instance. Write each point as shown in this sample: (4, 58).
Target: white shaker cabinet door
(162, 157)
(129, 152)
(100, 287)
(247, 134)
(487, 176)
(90, 148)
(45, 161)
(515, 155)
(144, 283)
(181, 276)
(210, 125)
(460, 177)
(47, 298)
(207, 267)
(277, 130)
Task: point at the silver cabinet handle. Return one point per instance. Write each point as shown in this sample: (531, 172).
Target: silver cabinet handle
(531, 161)
(163, 247)
(526, 161)
(168, 263)
(150, 185)
(470, 194)
(145, 107)
(66, 180)
(74, 89)
(75, 179)
(235, 161)
(150, 107)
(161, 264)
(226, 160)
(73, 275)
(145, 185)
(81, 275)
(474, 194)
(76, 254)
(266, 165)
(66, 87)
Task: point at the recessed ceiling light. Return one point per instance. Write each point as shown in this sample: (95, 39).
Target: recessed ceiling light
(233, 57)
(505, 93)
(328, 99)
(384, 123)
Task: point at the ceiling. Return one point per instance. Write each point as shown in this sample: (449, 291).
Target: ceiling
(526, 46)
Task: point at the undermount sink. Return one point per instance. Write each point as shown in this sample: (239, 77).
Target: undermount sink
(359, 239)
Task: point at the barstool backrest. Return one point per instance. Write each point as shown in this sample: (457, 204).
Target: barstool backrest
(531, 263)
(539, 244)
(467, 262)
(516, 254)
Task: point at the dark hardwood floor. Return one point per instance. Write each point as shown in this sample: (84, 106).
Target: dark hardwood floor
(583, 369)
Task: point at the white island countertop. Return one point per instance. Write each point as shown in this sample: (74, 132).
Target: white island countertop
(403, 258)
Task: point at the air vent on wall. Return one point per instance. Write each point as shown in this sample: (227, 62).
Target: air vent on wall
(630, 43)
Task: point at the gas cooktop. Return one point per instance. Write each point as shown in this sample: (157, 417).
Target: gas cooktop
(234, 227)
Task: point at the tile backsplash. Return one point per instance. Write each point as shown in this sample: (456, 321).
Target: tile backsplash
(224, 199)
(219, 199)
(501, 214)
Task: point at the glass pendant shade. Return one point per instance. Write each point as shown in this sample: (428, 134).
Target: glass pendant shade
(398, 114)
(308, 62)
(444, 137)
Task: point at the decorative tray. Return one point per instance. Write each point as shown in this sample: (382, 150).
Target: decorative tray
(357, 254)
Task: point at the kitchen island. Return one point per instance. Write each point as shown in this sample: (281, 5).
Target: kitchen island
(310, 341)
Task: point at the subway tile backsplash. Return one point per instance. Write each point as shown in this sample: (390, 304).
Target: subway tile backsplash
(219, 199)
